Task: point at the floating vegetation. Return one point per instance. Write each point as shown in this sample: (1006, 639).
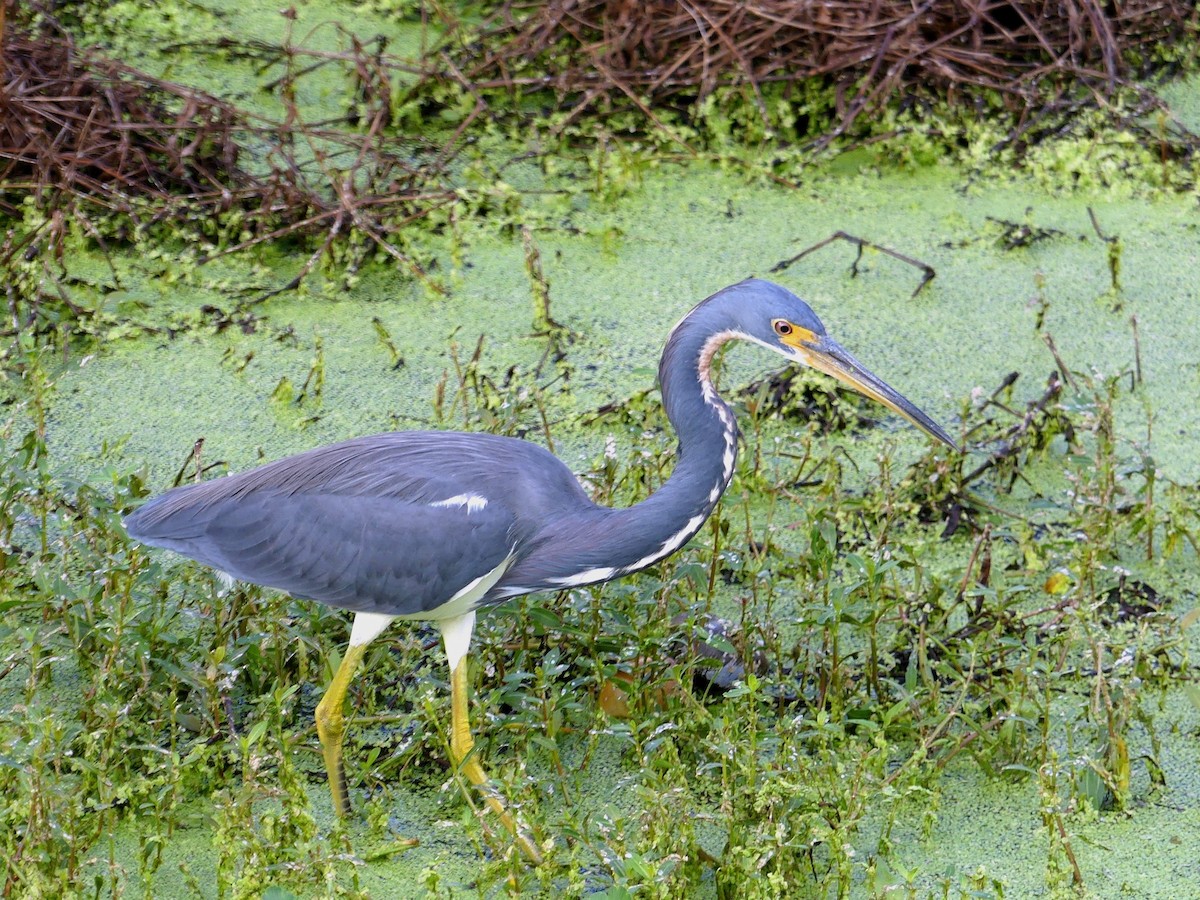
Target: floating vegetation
(857, 669)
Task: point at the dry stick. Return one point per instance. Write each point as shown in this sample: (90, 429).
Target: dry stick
(1108, 43)
(271, 235)
(577, 110)
(1096, 225)
(326, 214)
(78, 311)
(412, 264)
(735, 52)
(1114, 252)
(349, 205)
(779, 43)
(269, 54)
(331, 234)
(664, 77)
(454, 143)
(291, 76)
(929, 273)
(983, 538)
(637, 101)
(1041, 38)
(543, 322)
(192, 457)
(1137, 351)
(859, 103)
(1076, 874)
(1010, 445)
(967, 739)
(294, 283)
(929, 740)
(1058, 361)
(106, 152)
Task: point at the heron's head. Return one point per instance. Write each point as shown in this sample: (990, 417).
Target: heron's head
(776, 318)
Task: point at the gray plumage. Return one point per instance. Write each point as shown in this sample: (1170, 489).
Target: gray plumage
(355, 524)
(400, 523)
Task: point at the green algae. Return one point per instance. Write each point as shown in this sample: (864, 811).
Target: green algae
(996, 827)
(623, 265)
(150, 398)
(1183, 101)
(972, 325)
(201, 46)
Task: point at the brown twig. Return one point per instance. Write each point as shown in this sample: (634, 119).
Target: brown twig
(928, 272)
(1137, 350)
(1011, 441)
(1058, 361)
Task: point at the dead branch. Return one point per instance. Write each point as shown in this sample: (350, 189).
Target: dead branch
(928, 272)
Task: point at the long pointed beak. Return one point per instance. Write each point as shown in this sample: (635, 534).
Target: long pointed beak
(832, 358)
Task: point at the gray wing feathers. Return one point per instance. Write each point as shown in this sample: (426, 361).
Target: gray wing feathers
(359, 525)
(419, 466)
(366, 554)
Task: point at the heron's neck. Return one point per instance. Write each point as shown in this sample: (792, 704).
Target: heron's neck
(704, 423)
(707, 432)
(607, 543)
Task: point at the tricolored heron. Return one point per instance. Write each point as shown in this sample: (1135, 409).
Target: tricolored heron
(434, 524)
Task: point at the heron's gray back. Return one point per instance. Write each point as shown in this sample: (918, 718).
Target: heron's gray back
(394, 523)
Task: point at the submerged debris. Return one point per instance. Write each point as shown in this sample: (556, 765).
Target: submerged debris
(928, 273)
(712, 643)
(1130, 600)
(797, 395)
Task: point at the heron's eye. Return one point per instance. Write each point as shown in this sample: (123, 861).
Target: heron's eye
(782, 327)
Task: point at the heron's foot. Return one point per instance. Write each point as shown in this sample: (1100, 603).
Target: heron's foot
(521, 834)
(461, 745)
(331, 729)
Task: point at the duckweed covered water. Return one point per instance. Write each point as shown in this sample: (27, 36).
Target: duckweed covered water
(153, 397)
(622, 270)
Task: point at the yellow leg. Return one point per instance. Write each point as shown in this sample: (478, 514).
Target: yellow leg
(331, 727)
(461, 744)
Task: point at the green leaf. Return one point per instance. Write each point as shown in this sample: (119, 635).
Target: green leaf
(1092, 787)
(256, 733)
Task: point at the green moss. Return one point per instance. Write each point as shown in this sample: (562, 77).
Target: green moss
(1183, 100)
